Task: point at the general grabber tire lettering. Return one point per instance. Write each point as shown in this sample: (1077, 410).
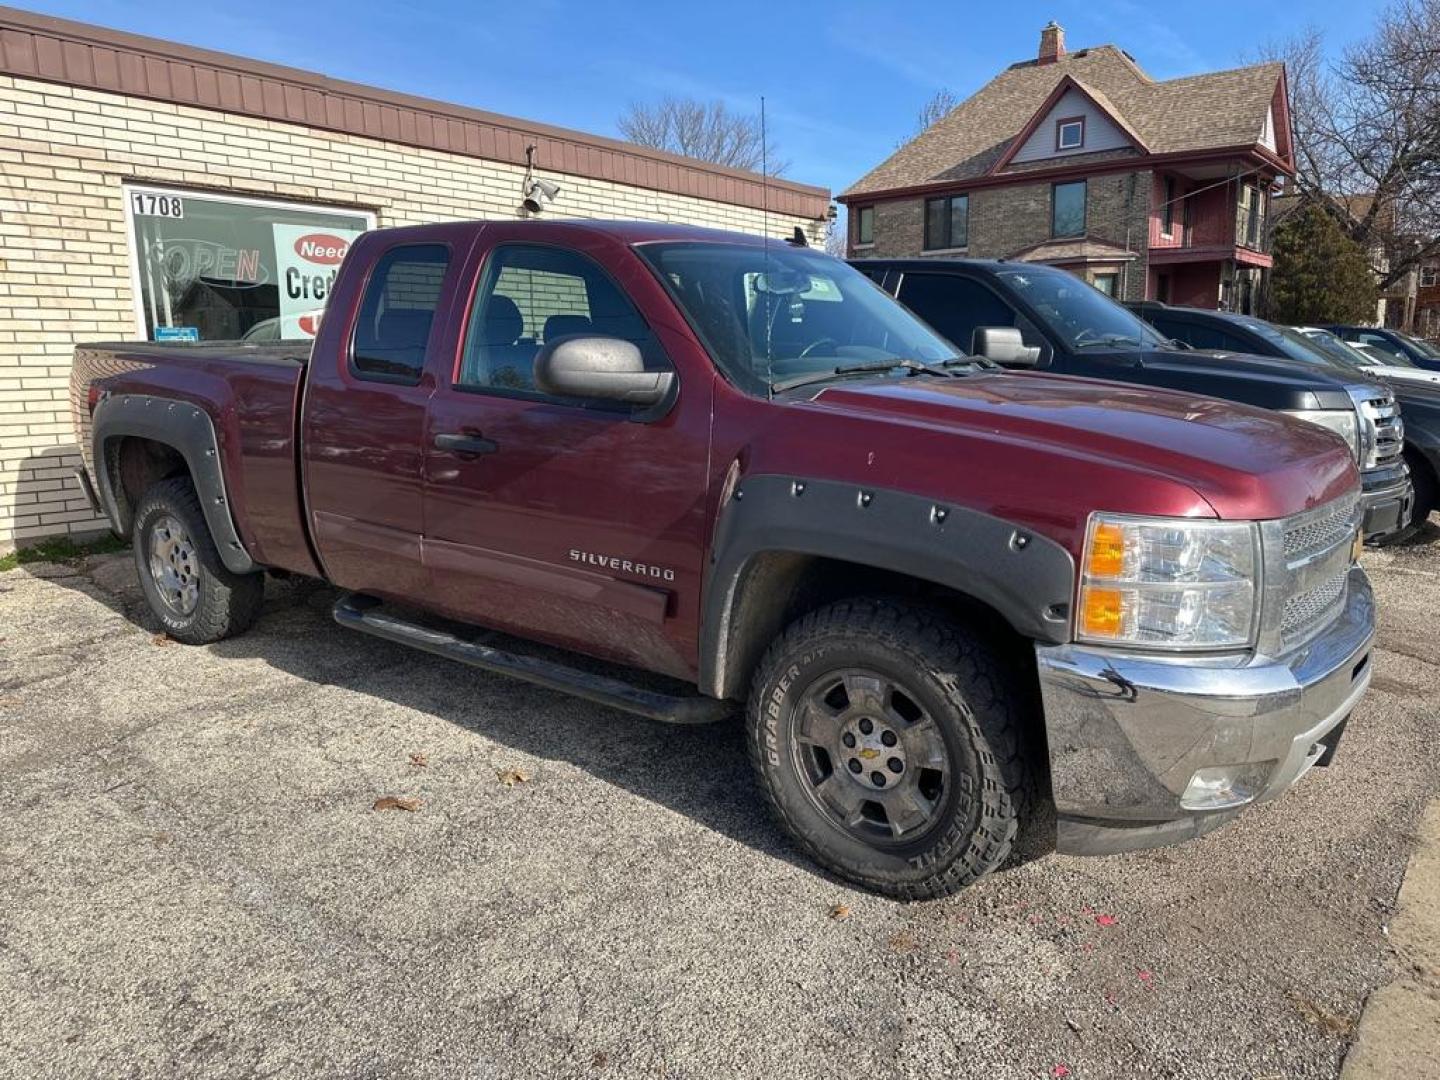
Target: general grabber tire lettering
(887, 738)
(188, 588)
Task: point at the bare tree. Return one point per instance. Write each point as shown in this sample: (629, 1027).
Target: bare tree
(1367, 133)
(835, 238)
(708, 131)
(936, 108)
(939, 105)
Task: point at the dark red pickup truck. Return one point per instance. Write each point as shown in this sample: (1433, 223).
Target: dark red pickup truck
(947, 592)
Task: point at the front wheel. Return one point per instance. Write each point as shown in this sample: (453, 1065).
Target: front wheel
(188, 587)
(887, 738)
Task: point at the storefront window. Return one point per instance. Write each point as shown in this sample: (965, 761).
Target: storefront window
(217, 268)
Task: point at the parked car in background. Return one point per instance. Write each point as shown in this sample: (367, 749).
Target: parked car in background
(1032, 316)
(1420, 353)
(733, 463)
(1417, 427)
(1366, 359)
(1374, 355)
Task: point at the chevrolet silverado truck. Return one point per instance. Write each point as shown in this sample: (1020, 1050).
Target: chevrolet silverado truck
(1024, 315)
(733, 470)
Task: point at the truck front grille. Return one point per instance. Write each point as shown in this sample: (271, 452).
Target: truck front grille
(1307, 536)
(1384, 435)
(1307, 565)
(1313, 608)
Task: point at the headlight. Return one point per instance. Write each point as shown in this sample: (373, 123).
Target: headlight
(1341, 421)
(1175, 583)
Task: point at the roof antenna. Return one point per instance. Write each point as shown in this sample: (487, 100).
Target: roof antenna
(765, 240)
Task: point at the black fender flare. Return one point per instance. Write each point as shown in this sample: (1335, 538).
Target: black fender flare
(186, 428)
(1027, 578)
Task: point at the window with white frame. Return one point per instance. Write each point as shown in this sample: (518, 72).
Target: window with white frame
(214, 267)
(1070, 133)
(1429, 276)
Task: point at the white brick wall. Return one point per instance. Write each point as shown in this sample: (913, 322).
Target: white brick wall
(64, 254)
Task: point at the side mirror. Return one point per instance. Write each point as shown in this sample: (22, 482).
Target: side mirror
(1004, 345)
(607, 368)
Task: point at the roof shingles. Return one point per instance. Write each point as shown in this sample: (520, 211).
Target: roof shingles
(1198, 112)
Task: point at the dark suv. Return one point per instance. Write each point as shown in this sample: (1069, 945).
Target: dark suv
(1419, 403)
(1033, 316)
(1420, 353)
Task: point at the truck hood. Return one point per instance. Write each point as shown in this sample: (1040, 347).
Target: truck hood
(1267, 382)
(1244, 462)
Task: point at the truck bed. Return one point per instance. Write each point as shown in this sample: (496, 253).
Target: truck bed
(251, 393)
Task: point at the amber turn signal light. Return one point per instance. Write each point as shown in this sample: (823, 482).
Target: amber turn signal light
(1101, 614)
(1107, 551)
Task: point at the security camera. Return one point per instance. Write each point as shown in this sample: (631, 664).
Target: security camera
(539, 194)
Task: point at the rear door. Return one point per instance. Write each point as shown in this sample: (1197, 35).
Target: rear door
(578, 523)
(365, 405)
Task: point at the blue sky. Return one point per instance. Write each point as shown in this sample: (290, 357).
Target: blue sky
(843, 81)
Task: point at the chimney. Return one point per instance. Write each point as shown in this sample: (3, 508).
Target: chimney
(1052, 43)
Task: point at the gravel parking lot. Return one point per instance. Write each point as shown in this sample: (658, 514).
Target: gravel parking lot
(195, 881)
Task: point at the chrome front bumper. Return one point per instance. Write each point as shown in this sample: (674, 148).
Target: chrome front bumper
(1128, 733)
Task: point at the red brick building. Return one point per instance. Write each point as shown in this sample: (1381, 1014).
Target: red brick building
(1145, 188)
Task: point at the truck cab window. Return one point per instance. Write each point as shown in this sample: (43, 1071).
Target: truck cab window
(396, 314)
(531, 296)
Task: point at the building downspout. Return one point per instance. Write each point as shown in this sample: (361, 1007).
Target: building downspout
(1129, 226)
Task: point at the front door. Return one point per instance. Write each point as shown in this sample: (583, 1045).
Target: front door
(578, 523)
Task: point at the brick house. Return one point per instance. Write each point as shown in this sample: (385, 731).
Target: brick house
(1427, 300)
(153, 190)
(1079, 159)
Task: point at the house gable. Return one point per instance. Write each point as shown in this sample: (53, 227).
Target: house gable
(1070, 100)
(1267, 133)
(1099, 131)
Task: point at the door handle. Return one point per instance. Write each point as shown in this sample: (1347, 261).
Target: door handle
(465, 445)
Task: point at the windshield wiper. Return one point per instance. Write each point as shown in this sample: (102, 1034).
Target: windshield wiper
(974, 363)
(870, 367)
(1108, 341)
(1177, 345)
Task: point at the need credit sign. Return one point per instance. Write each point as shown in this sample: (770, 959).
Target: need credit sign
(306, 259)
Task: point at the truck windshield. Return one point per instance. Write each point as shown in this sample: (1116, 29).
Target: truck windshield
(1079, 314)
(770, 316)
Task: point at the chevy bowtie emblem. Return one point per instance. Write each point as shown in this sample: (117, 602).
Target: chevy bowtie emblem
(869, 752)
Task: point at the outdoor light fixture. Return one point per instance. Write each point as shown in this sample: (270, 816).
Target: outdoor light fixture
(539, 194)
(535, 194)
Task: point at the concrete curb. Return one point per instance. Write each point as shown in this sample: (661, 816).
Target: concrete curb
(1400, 1027)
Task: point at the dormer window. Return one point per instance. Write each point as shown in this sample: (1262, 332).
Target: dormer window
(1070, 133)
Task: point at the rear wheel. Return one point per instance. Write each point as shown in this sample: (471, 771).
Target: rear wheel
(887, 739)
(188, 587)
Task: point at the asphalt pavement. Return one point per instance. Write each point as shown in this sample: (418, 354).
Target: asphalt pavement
(195, 881)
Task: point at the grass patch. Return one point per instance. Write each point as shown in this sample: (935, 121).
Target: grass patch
(61, 549)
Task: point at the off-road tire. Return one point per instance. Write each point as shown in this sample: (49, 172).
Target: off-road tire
(980, 704)
(227, 603)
